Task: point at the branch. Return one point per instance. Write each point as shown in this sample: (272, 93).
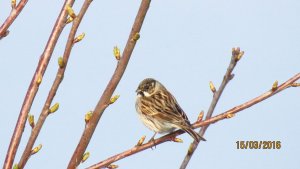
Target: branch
(236, 56)
(16, 10)
(34, 85)
(59, 77)
(228, 114)
(111, 86)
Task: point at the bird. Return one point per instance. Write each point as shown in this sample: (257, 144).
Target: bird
(159, 111)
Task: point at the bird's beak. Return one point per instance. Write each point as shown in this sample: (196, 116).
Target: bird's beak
(139, 92)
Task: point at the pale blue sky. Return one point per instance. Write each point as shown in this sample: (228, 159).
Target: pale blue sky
(183, 44)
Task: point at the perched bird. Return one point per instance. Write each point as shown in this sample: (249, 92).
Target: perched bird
(159, 111)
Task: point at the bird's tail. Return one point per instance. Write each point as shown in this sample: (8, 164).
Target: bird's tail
(192, 133)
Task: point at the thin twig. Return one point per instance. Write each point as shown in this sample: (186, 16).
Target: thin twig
(34, 85)
(171, 136)
(111, 86)
(59, 77)
(11, 18)
(227, 77)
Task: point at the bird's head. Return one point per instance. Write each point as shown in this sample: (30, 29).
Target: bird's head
(147, 87)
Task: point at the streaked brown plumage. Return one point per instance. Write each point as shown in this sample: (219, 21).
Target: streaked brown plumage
(159, 111)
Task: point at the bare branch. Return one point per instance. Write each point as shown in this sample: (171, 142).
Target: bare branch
(111, 86)
(225, 115)
(59, 77)
(236, 56)
(34, 85)
(15, 11)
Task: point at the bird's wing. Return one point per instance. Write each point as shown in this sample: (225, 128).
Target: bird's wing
(168, 109)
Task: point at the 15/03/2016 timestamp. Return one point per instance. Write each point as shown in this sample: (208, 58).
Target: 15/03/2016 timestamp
(258, 144)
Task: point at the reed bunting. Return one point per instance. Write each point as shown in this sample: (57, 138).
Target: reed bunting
(159, 111)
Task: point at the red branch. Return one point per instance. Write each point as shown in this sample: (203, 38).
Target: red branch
(111, 86)
(236, 56)
(10, 19)
(34, 85)
(59, 77)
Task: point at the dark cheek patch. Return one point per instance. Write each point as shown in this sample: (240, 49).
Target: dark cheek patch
(141, 93)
